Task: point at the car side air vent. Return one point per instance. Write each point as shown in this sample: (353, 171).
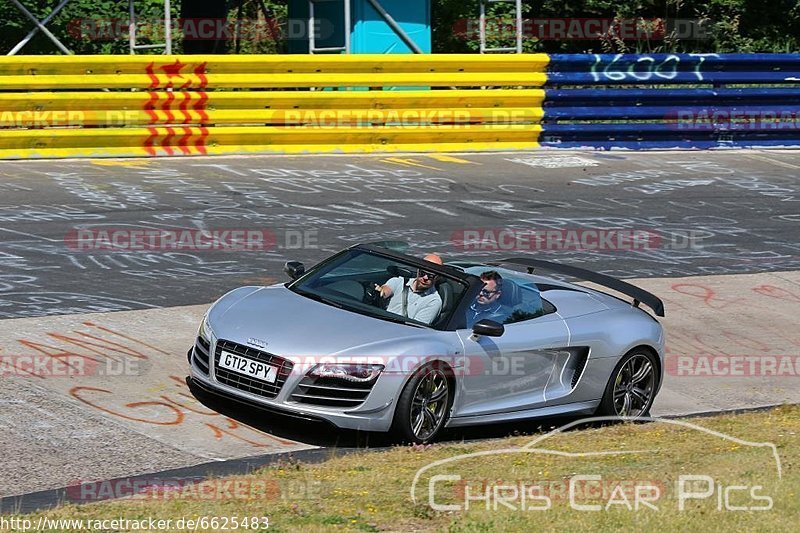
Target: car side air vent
(580, 365)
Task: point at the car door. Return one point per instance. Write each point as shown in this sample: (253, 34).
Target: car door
(510, 372)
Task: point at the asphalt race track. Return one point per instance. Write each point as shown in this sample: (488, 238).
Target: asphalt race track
(743, 207)
(724, 258)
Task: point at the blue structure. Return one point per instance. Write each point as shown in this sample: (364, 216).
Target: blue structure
(665, 101)
(360, 26)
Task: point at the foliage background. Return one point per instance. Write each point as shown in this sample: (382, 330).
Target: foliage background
(14, 25)
(732, 25)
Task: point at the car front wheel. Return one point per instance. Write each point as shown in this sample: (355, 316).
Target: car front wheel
(423, 406)
(632, 388)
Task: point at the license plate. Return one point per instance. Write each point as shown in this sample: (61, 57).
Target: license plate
(248, 367)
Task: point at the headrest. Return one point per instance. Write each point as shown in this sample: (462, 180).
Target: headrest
(511, 295)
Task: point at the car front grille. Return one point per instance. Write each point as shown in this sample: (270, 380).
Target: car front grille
(331, 392)
(201, 349)
(246, 383)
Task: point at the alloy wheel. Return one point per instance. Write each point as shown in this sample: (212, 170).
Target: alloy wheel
(429, 404)
(634, 386)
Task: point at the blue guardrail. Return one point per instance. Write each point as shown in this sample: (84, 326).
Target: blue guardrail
(662, 101)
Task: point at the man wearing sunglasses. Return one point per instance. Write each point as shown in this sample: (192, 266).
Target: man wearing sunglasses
(487, 303)
(416, 299)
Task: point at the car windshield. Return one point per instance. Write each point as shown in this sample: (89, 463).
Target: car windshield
(369, 283)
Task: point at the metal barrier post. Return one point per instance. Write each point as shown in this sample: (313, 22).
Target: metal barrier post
(40, 26)
(166, 45)
(312, 33)
(518, 26)
(395, 26)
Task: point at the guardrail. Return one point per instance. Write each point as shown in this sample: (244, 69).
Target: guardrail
(672, 101)
(154, 105)
(106, 106)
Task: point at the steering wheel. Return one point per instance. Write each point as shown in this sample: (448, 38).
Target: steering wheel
(372, 296)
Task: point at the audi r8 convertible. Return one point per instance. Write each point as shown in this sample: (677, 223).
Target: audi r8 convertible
(327, 346)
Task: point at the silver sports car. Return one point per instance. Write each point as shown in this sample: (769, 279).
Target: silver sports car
(503, 345)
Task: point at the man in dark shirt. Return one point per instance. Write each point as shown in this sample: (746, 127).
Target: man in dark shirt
(487, 304)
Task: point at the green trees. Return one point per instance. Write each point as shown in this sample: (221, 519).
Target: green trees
(99, 26)
(723, 25)
(84, 26)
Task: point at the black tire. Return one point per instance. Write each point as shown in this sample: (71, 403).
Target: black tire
(632, 386)
(424, 405)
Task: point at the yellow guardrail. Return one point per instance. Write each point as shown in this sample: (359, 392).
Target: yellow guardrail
(192, 140)
(257, 64)
(90, 101)
(93, 106)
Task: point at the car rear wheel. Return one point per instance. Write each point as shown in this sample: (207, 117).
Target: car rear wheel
(632, 388)
(423, 406)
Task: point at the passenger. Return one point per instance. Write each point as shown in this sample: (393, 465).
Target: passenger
(487, 304)
(417, 299)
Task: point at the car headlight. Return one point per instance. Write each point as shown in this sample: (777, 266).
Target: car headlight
(347, 372)
(205, 330)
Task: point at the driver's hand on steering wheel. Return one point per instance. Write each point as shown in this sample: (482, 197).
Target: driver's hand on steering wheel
(375, 294)
(384, 290)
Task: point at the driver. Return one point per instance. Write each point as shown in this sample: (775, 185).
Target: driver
(417, 299)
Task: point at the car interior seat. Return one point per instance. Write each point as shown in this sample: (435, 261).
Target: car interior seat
(447, 295)
(511, 295)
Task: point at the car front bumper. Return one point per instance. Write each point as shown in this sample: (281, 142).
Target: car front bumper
(375, 414)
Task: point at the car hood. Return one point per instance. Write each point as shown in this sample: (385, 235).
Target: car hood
(293, 325)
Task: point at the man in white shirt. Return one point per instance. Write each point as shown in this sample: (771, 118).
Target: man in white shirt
(418, 298)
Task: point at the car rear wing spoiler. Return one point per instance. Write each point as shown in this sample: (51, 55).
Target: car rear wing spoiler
(638, 295)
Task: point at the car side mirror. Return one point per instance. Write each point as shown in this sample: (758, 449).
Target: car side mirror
(294, 269)
(488, 328)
